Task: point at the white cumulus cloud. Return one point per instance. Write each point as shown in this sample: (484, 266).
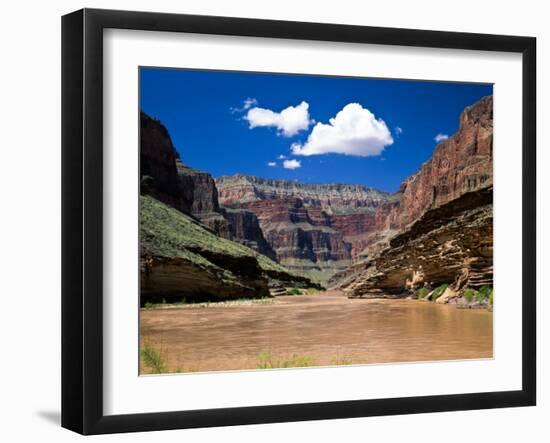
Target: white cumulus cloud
(281, 157)
(440, 137)
(271, 164)
(398, 130)
(288, 122)
(292, 164)
(353, 131)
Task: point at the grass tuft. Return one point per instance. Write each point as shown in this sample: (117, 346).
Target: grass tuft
(266, 361)
(153, 360)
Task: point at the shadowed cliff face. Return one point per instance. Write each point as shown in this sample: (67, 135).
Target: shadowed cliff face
(159, 167)
(246, 227)
(165, 177)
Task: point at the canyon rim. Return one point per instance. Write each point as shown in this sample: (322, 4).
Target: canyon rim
(290, 221)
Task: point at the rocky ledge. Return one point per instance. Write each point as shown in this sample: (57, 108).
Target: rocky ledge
(451, 245)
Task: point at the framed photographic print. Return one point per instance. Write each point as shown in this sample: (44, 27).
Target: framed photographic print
(269, 221)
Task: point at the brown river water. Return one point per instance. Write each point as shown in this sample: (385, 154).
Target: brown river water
(313, 330)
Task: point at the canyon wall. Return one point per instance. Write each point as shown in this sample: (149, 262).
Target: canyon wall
(350, 236)
(314, 229)
(191, 247)
(326, 229)
(462, 163)
(165, 177)
(442, 227)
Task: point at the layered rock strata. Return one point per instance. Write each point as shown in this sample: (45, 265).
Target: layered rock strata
(440, 231)
(313, 229)
(451, 244)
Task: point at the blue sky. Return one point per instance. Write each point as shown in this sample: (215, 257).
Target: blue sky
(231, 122)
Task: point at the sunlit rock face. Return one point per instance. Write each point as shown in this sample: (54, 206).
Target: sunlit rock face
(314, 229)
(442, 225)
(449, 244)
(462, 163)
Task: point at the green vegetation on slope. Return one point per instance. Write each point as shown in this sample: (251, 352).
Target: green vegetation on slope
(485, 293)
(167, 232)
(438, 292)
(422, 293)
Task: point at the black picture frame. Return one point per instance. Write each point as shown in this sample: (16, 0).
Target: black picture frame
(82, 218)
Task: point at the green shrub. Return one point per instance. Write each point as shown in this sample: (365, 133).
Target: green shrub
(293, 291)
(470, 294)
(438, 292)
(486, 291)
(422, 292)
(153, 360)
(485, 294)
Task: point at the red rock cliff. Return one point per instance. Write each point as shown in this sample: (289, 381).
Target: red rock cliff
(460, 164)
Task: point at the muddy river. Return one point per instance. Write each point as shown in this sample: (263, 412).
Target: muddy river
(312, 330)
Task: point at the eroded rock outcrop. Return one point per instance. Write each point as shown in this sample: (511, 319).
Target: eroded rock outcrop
(451, 244)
